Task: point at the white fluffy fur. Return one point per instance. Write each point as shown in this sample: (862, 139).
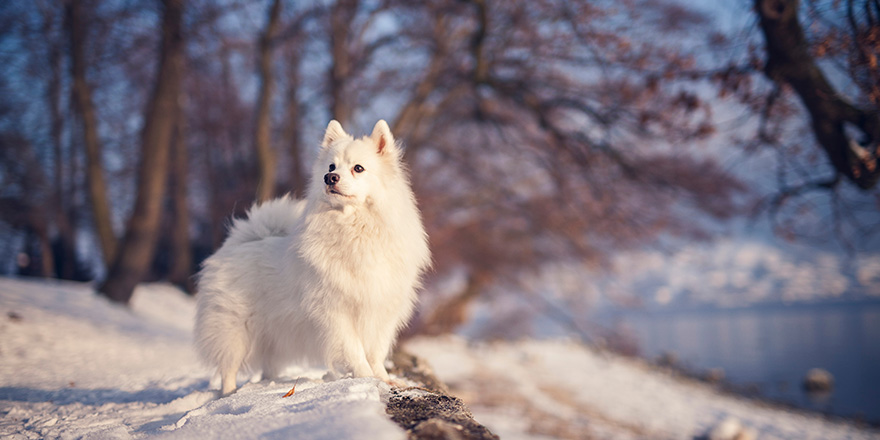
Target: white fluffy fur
(330, 279)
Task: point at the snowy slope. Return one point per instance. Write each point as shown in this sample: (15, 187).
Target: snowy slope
(74, 366)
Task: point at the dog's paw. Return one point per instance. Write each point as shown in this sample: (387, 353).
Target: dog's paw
(395, 383)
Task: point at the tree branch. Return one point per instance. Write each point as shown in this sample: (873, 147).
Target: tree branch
(779, 199)
(789, 61)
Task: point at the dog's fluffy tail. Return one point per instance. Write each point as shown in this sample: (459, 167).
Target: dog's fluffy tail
(274, 218)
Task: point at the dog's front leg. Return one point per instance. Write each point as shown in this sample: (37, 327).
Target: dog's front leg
(345, 352)
(377, 352)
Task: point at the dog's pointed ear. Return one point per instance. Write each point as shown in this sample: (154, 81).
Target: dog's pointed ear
(334, 133)
(382, 137)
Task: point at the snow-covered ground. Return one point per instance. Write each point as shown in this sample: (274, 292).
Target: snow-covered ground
(74, 366)
(560, 389)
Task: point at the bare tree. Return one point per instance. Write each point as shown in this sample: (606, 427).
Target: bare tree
(553, 137)
(266, 157)
(789, 61)
(23, 202)
(809, 86)
(76, 29)
(138, 246)
(291, 133)
(180, 272)
(417, 107)
(65, 261)
(342, 15)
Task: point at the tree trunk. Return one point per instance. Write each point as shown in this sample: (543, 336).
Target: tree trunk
(454, 312)
(789, 61)
(138, 246)
(415, 110)
(47, 268)
(65, 259)
(263, 127)
(181, 252)
(37, 249)
(85, 108)
(341, 16)
(297, 179)
(218, 211)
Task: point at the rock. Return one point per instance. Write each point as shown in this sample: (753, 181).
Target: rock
(429, 415)
(747, 433)
(731, 429)
(726, 430)
(714, 375)
(667, 359)
(818, 380)
(429, 412)
(416, 370)
(438, 429)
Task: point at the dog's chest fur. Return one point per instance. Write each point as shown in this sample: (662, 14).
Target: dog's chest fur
(355, 251)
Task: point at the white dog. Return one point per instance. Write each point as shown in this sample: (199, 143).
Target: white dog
(330, 279)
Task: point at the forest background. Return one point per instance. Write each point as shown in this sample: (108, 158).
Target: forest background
(543, 137)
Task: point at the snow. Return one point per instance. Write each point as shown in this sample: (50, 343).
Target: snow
(75, 366)
(347, 408)
(545, 389)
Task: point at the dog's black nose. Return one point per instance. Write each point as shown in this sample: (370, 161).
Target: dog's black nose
(331, 178)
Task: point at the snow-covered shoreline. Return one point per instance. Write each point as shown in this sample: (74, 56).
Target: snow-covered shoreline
(74, 366)
(541, 389)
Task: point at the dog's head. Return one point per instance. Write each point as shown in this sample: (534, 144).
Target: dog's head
(351, 171)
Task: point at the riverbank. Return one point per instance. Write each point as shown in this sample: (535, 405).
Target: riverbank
(73, 365)
(562, 389)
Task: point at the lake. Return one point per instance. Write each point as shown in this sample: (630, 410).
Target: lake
(771, 347)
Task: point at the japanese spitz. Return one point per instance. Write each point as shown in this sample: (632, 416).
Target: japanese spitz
(326, 280)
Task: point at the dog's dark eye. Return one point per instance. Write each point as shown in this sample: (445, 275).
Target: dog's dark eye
(358, 169)
(332, 167)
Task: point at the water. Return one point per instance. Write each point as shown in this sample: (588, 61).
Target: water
(772, 348)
